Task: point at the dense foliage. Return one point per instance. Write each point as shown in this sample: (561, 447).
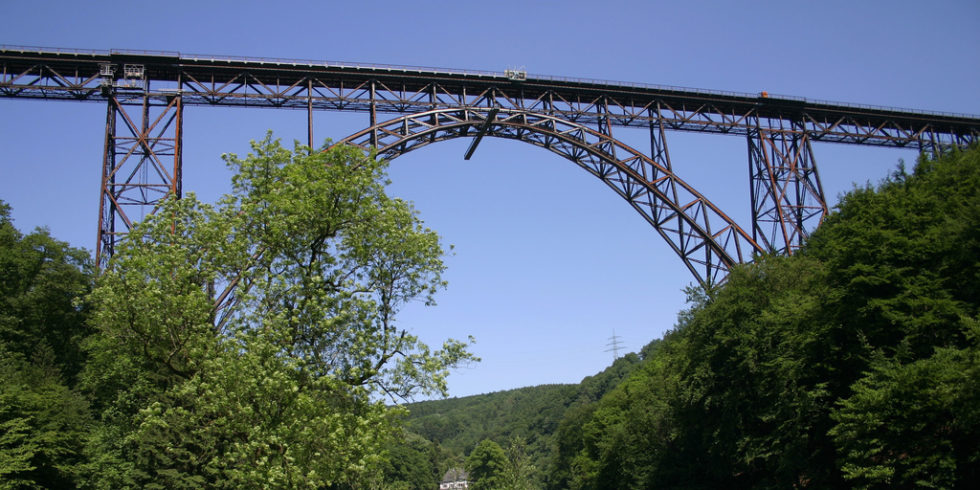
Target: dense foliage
(254, 341)
(249, 344)
(852, 363)
(413, 462)
(486, 466)
(253, 344)
(43, 417)
(491, 467)
(530, 415)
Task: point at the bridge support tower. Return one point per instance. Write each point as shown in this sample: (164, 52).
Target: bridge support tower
(141, 164)
(786, 196)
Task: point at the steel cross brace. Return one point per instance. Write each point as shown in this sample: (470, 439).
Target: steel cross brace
(141, 163)
(787, 198)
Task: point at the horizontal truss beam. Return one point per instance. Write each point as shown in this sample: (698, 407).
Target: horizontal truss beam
(344, 87)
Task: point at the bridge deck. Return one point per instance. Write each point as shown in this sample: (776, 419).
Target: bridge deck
(302, 84)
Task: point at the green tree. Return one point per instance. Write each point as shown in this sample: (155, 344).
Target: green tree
(753, 362)
(43, 425)
(412, 463)
(905, 262)
(914, 425)
(41, 283)
(569, 443)
(850, 363)
(251, 343)
(43, 421)
(486, 466)
(626, 440)
(519, 473)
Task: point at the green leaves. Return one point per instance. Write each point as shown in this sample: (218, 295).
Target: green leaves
(851, 363)
(486, 465)
(43, 425)
(914, 424)
(251, 341)
(44, 421)
(41, 283)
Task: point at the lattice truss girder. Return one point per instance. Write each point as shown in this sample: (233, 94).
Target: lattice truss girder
(141, 163)
(786, 195)
(593, 110)
(45, 81)
(706, 239)
(312, 88)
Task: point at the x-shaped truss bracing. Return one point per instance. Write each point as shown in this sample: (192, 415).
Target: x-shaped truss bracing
(141, 164)
(787, 198)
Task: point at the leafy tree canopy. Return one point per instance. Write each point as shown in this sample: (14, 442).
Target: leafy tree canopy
(41, 283)
(254, 340)
(852, 363)
(44, 422)
(486, 466)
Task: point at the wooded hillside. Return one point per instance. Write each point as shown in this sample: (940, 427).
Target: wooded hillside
(853, 363)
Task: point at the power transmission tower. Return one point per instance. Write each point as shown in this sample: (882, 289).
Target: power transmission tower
(614, 345)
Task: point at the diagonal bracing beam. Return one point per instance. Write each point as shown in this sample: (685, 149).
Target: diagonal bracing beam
(141, 163)
(482, 131)
(786, 195)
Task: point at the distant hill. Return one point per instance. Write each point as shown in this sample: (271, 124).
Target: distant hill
(457, 425)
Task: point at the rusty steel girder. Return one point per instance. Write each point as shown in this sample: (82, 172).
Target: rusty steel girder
(786, 195)
(312, 85)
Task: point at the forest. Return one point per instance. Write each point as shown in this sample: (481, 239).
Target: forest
(854, 363)
(254, 343)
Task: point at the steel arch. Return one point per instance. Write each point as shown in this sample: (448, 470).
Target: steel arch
(706, 239)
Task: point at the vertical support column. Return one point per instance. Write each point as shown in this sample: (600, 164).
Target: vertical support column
(374, 116)
(660, 155)
(432, 106)
(787, 198)
(178, 142)
(658, 138)
(104, 243)
(549, 104)
(604, 126)
(141, 164)
(309, 112)
(931, 145)
(936, 142)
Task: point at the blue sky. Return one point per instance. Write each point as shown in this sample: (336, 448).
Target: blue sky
(548, 262)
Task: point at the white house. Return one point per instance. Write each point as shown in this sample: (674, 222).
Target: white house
(454, 479)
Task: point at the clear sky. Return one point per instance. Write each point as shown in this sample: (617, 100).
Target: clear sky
(548, 262)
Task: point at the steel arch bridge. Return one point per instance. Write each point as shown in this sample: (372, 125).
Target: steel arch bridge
(145, 93)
